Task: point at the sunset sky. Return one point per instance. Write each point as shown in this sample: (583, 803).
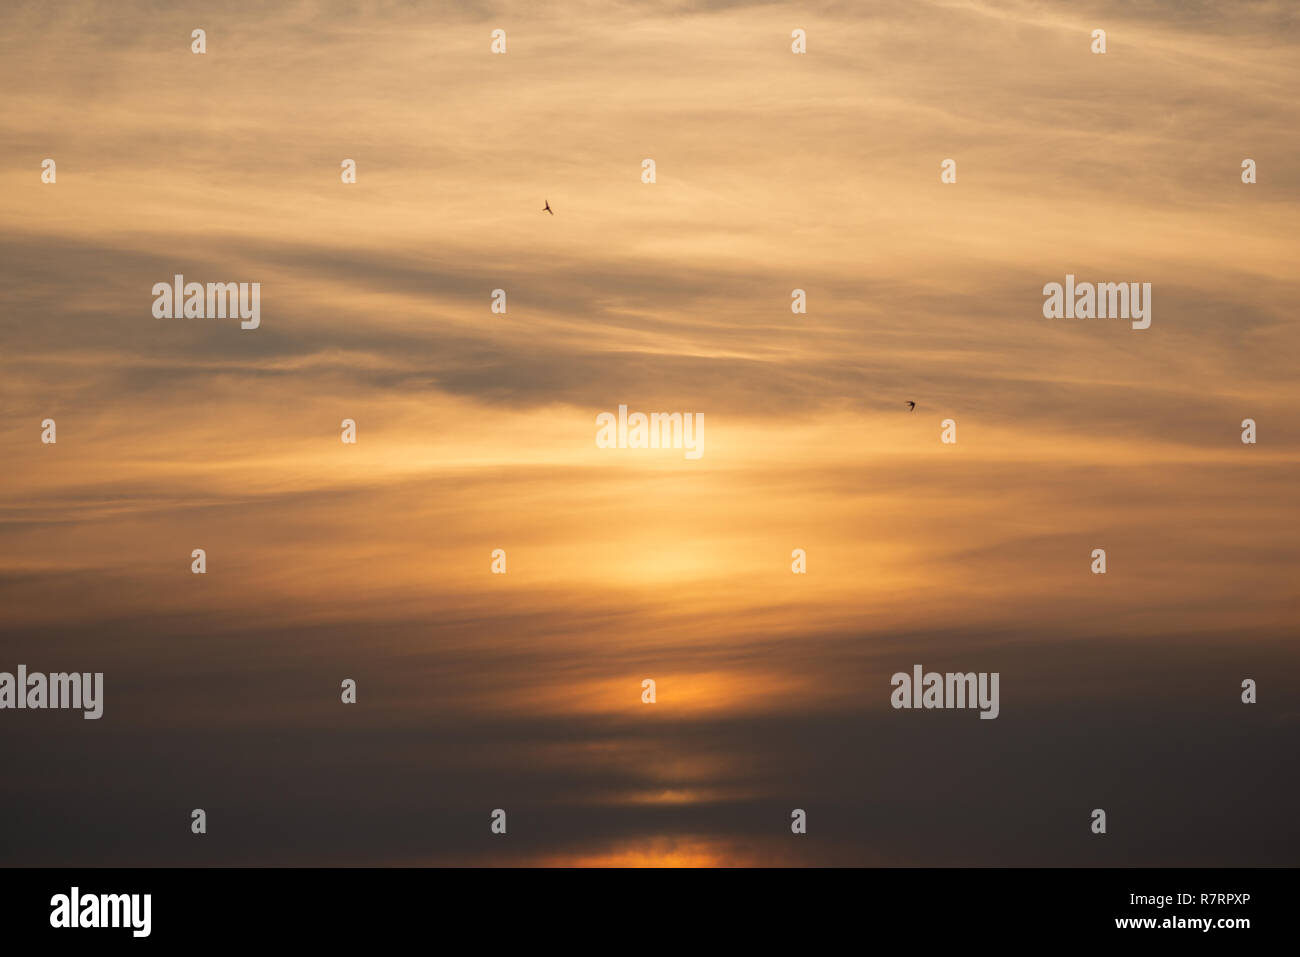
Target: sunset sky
(476, 431)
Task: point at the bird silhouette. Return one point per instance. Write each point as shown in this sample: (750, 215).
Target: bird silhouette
(911, 406)
(547, 208)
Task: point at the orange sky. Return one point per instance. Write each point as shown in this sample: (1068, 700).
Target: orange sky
(476, 430)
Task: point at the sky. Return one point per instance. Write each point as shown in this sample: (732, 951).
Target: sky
(476, 431)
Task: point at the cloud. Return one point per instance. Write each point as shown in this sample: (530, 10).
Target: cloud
(776, 172)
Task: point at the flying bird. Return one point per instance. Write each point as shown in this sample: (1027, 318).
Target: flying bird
(911, 406)
(547, 208)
